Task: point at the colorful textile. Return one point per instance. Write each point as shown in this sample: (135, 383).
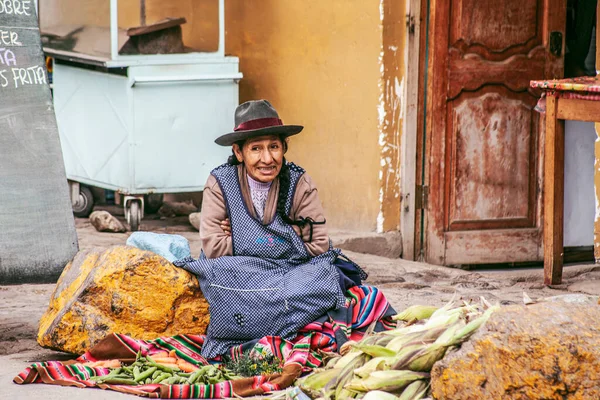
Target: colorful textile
(578, 84)
(271, 285)
(365, 306)
(582, 88)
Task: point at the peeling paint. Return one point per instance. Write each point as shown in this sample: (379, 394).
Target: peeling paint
(380, 217)
(391, 111)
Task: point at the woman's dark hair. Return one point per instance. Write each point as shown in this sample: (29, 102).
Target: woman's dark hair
(284, 187)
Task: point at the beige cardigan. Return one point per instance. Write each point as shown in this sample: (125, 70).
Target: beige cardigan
(306, 203)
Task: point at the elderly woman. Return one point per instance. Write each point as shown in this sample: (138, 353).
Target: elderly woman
(267, 267)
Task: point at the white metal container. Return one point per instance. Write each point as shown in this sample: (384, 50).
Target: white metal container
(141, 124)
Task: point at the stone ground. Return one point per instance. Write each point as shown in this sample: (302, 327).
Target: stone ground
(403, 282)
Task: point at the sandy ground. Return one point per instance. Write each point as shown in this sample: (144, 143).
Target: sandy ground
(403, 282)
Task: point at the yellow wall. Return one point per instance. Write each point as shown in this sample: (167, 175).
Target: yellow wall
(334, 66)
(318, 63)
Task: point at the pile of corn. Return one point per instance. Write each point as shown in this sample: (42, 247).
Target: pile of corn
(146, 370)
(396, 364)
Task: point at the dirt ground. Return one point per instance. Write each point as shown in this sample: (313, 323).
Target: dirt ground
(403, 282)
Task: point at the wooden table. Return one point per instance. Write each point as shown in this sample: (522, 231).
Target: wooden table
(573, 99)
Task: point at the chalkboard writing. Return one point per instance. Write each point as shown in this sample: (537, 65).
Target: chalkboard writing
(37, 232)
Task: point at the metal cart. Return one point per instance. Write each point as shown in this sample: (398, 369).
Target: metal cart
(141, 124)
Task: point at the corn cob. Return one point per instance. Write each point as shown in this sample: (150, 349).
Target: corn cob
(424, 359)
(348, 358)
(424, 336)
(346, 375)
(385, 380)
(465, 332)
(414, 391)
(316, 381)
(379, 395)
(375, 350)
(415, 313)
(375, 364)
(405, 356)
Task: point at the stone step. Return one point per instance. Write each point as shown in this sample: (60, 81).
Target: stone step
(387, 244)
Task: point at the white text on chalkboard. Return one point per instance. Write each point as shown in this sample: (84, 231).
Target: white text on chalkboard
(7, 57)
(23, 76)
(16, 7)
(9, 38)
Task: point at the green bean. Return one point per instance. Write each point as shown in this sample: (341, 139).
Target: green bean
(161, 377)
(119, 381)
(170, 381)
(136, 372)
(146, 374)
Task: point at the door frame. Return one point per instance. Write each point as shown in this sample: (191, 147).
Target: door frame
(416, 142)
(412, 138)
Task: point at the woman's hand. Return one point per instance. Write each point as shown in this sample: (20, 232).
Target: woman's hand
(226, 226)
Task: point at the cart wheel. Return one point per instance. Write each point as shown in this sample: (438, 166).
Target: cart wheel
(153, 202)
(85, 203)
(134, 215)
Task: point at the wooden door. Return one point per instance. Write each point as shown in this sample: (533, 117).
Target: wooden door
(484, 138)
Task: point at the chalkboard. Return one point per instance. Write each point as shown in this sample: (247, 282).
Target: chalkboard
(37, 229)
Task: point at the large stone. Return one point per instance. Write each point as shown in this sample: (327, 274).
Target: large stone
(104, 221)
(387, 244)
(547, 350)
(121, 290)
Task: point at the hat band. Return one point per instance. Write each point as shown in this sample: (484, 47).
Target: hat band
(258, 124)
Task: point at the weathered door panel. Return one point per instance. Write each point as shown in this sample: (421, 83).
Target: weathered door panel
(483, 132)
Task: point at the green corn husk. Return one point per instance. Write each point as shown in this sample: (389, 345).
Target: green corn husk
(385, 380)
(317, 380)
(423, 361)
(348, 358)
(465, 332)
(415, 391)
(375, 364)
(379, 395)
(399, 342)
(380, 339)
(405, 356)
(415, 313)
(375, 350)
(347, 374)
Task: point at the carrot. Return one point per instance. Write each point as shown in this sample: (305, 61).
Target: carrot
(186, 366)
(169, 365)
(162, 360)
(161, 353)
(104, 364)
(173, 354)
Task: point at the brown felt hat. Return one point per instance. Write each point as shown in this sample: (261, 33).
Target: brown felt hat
(256, 118)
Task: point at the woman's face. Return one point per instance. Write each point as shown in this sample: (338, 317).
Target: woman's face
(262, 156)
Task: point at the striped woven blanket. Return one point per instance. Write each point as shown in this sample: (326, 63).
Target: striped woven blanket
(365, 305)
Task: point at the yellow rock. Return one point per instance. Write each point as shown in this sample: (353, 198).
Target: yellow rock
(546, 351)
(121, 290)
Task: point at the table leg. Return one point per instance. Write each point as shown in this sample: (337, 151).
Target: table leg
(554, 160)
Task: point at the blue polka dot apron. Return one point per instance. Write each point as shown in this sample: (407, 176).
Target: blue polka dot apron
(271, 285)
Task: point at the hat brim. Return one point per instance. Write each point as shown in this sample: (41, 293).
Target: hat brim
(284, 130)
